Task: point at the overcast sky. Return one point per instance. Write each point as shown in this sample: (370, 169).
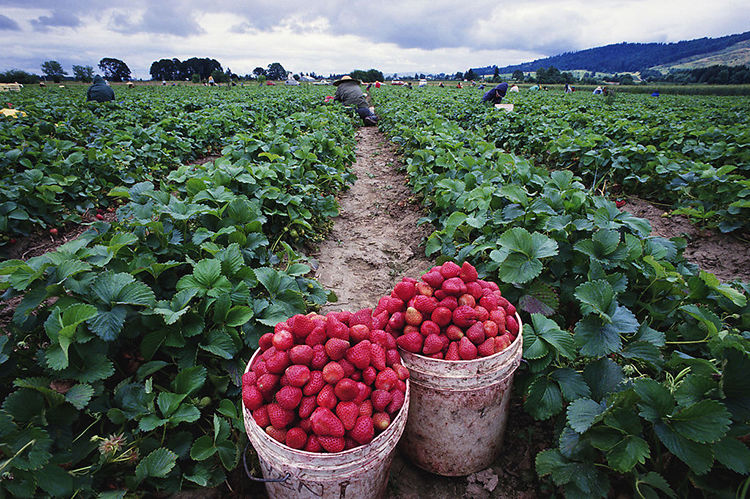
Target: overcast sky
(337, 36)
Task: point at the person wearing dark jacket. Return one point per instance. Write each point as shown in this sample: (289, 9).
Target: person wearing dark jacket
(495, 96)
(349, 94)
(100, 91)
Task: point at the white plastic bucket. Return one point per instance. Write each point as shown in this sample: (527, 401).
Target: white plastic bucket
(459, 409)
(357, 473)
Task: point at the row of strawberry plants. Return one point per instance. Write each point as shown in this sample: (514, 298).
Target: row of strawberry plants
(636, 356)
(65, 154)
(123, 362)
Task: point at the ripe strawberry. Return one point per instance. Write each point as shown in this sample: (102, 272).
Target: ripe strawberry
(278, 434)
(405, 290)
(432, 344)
(359, 354)
(301, 355)
(99, 216)
(53, 231)
(474, 289)
(441, 316)
(401, 386)
(440, 295)
(476, 333)
(316, 337)
(369, 375)
(364, 393)
(320, 358)
(467, 300)
(468, 273)
(452, 353)
(438, 355)
(425, 304)
(348, 367)
(313, 444)
(336, 329)
(346, 389)
(428, 327)
(466, 349)
(490, 329)
(433, 279)
(464, 317)
(424, 289)
(252, 397)
(377, 357)
(363, 431)
(501, 300)
(279, 416)
(449, 302)
(296, 438)
(300, 325)
(347, 412)
(511, 325)
(298, 375)
(481, 314)
(325, 423)
(289, 397)
(306, 425)
(332, 444)
(410, 329)
(454, 287)
(260, 415)
(327, 397)
(397, 401)
(510, 310)
(306, 407)
(392, 357)
(386, 379)
(450, 269)
(269, 353)
(358, 333)
(397, 321)
(365, 408)
(401, 371)
(315, 384)
(411, 342)
(380, 320)
(489, 302)
(487, 348)
(380, 399)
(336, 348)
(260, 368)
(249, 378)
(413, 316)
(363, 316)
(344, 316)
(381, 421)
(283, 340)
(502, 342)
(267, 384)
(278, 362)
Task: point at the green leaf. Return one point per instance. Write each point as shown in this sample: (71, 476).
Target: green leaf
(108, 285)
(656, 402)
(519, 268)
(630, 451)
(136, 293)
(543, 399)
(736, 384)
(56, 482)
(595, 339)
(596, 296)
(655, 480)
(705, 421)
(157, 464)
(79, 395)
(228, 454)
(551, 462)
(219, 343)
(202, 448)
(540, 299)
(238, 315)
(733, 454)
(572, 384)
(107, 324)
(724, 289)
(169, 402)
(207, 272)
(583, 413)
(603, 377)
(189, 380)
(548, 331)
(709, 319)
(699, 457)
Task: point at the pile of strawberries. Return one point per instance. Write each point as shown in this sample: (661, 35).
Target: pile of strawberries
(326, 383)
(450, 314)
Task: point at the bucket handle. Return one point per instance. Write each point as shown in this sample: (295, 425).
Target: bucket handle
(266, 480)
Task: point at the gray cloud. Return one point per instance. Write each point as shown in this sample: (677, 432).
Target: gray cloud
(6, 23)
(168, 18)
(58, 19)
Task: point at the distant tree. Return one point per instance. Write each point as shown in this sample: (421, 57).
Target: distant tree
(259, 71)
(166, 69)
(83, 73)
(203, 67)
(458, 76)
(114, 69)
(369, 76)
(195, 78)
(220, 76)
(518, 75)
(496, 75)
(276, 72)
(18, 76)
(470, 75)
(53, 70)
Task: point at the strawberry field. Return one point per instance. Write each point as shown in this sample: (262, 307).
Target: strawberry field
(123, 359)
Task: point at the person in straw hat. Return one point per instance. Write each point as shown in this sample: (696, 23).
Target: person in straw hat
(349, 94)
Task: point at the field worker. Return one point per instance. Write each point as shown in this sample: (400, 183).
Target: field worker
(597, 90)
(100, 91)
(349, 94)
(495, 96)
(534, 88)
(514, 88)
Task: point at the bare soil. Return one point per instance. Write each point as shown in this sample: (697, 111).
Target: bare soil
(724, 255)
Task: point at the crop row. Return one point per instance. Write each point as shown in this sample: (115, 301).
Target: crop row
(123, 360)
(636, 355)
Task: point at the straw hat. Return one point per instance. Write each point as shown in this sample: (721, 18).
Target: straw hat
(346, 78)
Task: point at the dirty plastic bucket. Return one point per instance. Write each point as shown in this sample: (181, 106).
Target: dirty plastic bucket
(356, 473)
(459, 409)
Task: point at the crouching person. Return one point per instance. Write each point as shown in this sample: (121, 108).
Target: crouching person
(99, 91)
(349, 94)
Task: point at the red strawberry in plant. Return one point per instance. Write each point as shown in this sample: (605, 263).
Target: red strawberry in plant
(336, 348)
(283, 340)
(306, 407)
(363, 431)
(279, 416)
(298, 375)
(53, 231)
(252, 397)
(428, 327)
(620, 203)
(337, 329)
(405, 290)
(450, 269)
(346, 389)
(289, 397)
(487, 348)
(377, 357)
(347, 412)
(99, 216)
(464, 317)
(296, 438)
(359, 354)
(413, 316)
(320, 358)
(325, 422)
(301, 355)
(332, 444)
(511, 325)
(380, 399)
(432, 344)
(315, 384)
(313, 444)
(468, 273)
(12, 240)
(433, 279)
(452, 353)
(466, 349)
(381, 421)
(397, 401)
(411, 342)
(441, 316)
(386, 379)
(276, 434)
(260, 415)
(327, 397)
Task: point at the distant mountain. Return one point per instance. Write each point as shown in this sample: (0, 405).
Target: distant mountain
(630, 57)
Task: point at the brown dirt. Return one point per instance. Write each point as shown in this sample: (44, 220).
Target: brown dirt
(721, 254)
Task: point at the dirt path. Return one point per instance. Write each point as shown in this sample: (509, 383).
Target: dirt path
(375, 239)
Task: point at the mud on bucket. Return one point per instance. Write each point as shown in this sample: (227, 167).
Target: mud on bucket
(459, 409)
(357, 473)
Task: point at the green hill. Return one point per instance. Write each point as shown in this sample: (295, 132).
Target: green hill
(734, 55)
